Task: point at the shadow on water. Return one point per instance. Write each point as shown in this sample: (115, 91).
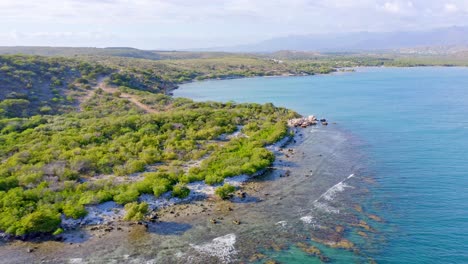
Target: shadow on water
(169, 228)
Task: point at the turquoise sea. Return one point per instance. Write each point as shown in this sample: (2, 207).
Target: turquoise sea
(413, 127)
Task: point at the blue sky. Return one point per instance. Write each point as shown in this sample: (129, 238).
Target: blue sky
(181, 24)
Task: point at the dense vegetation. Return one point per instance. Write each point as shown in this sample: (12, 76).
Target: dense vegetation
(111, 150)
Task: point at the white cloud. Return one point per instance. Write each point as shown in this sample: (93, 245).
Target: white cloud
(182, 23)
(450, 8)
(398, 7)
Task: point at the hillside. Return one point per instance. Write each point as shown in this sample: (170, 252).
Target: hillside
(113, 51)
(34, 85)
(123, 139)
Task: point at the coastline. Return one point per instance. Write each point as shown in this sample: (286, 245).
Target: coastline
(191, 231)
(235, 77)
(342, 70)
(108, 216)
(364, 229)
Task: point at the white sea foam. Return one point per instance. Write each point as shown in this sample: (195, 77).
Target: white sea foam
(75, 260)
(330, 194)
(220, 247)
(282, 223)
(308, 219)
(326, 208)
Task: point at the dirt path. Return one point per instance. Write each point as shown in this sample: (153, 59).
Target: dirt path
(130, 97)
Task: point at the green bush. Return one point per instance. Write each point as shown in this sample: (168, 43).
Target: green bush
(58, 232)
(127, 196)
(135, 211)
(161, 186)
(40, 221)
(180, 191)
(225, 191)
(74, 210)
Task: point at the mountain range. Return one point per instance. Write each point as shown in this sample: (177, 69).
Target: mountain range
(358, 41)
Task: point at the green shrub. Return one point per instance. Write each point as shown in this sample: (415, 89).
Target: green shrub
(135, 166)
(58, 232)
(40, 221)
(225, 191)
(127, 196)
(135, 211)
(45, 109)
(213, 179)
(74, 210)
(180, 191)
(161, 186)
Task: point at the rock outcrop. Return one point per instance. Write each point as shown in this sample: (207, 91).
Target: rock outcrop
(306, 121)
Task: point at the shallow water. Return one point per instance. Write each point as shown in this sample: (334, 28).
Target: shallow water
(414, 125)
(277, 213)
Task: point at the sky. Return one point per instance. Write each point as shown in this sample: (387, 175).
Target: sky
(186, 24)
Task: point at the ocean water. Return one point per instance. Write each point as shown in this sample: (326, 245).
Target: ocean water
(412, 125)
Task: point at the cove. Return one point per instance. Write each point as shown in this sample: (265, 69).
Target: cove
(413, 129)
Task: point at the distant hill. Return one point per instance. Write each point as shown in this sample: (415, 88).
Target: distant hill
(359, 41)
(111, 51)
(68, 51)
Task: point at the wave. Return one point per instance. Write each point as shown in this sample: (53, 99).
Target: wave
(220, 247)
(330, 194)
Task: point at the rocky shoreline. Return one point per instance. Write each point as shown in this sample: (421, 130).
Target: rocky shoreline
(306, 121)
(108, 216)
(196, 231)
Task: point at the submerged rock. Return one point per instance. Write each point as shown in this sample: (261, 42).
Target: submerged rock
(339, 229)
(362, 233)
(312, 250)
(358, 208)
(344, 243)
(375, 218)
(364, 225)
(256, 257)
